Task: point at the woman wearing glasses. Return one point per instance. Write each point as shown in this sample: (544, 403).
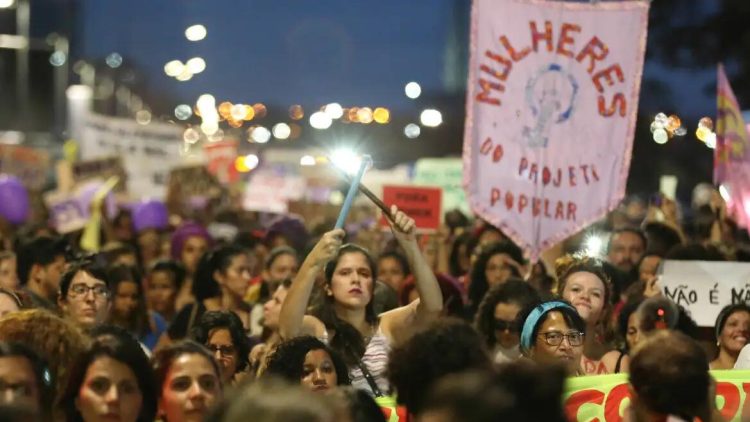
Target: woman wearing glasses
(583, 283)
(553, 332)
(496, 318)
(84, 295)
(222, 334)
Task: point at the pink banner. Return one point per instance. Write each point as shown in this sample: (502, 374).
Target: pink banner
(551, 107)
(732, 155)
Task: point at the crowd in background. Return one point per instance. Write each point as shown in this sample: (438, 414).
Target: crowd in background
(286, 322)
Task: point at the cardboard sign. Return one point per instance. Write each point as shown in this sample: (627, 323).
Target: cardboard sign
(190, 185)
(67, 213)
(551, 108)
(703, 288)
(270, 191)
(606, 397)
(100, 169)
(30, 165)
(423, 204)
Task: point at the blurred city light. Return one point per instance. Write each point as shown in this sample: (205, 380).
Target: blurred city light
(191, 136)
(431, 118)
(174, 68)
(413, 90)
(251, 161)
(210, 127)
(4, 4)
(57, 58)
(237, 112)
(206, 101)
(346, 160)
(114, 60)
(183, 112)
(381, 115)
(79, 92)
(307, 160)
(185, 76)
(593, 245)
(334, 110)
(364, 115)
(320, 120)
(281, 131)
(412, 130)
(196, 65)
(260, 134)
(143, 117)
(196, 33)
(296, 112)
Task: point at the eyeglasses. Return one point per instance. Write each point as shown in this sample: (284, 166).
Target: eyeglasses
(82, 290)
(501, 325)
(226, 351)
(556, 339)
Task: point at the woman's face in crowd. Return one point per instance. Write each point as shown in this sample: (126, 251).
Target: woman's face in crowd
(7, 304)
(221, 345)
(17, 371)
(237, 276)
(318, 373)
(8, 276)
(162, 292)
(734, 335)
(125, 300)
(390, 272)
(272, 308)
(189, 390)
(192, 250)
(109, 392)
(557, 341)
(633, 334)
(498, 269)
(351, 284)
(506, 333)
(586, 292)
(283, 267)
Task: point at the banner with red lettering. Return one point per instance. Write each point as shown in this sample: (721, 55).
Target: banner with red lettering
(551, 107)
(606, 397)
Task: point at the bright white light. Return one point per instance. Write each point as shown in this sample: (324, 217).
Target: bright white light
(307, 160)
(251, 161)
(57, 58)
(431, 118)
(238, 111)
(196, 65)
(206, 101)
(593, 245)
(711, 140)
(191, 136)
(413, 90)
(196, 33)
(320, 120)
(336, 198)
(209, 127)
(4, 4)
(79, 92)
(412, 130)
(174, 68)
(260, 135)
(334, 110)
(346, 160)
(724, 192)
(143, 117)
(185, 76)
(281, 131)
(114, 60)
(183, 112)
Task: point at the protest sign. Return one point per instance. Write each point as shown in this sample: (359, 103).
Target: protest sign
(704, 287)
(189, 187)
(423, 204)
(271, 191)
(29, 165)
(606, 397)
(100, 169)
(152, 150)
(221, 157)
(551, 106)
(447, 174)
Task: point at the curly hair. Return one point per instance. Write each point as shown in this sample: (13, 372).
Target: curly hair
(231, 322)
(124, 349)
(56, 341)
(515, 291)
(448, 346)
(287, 360)
(568, 265)
(479, 285)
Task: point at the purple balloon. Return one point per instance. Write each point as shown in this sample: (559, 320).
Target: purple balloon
(150, 214)
(14, 199)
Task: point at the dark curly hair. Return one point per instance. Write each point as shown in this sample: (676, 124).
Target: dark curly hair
(479, 285)
(288, 360)
(121, 348)
(228, 320)
(515, 291)
(347, 341)
(448, 346)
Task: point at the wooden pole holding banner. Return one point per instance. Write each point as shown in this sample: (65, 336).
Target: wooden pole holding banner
(352, 192)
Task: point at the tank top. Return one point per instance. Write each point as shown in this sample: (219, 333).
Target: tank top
(375, 360)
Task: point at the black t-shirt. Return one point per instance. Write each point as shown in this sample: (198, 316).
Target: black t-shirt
(181, 324)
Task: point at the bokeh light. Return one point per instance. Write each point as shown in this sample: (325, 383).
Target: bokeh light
(196, 65)
(191, 136)
(260, 110)
(143, 117)
(307, 160)
(412, 130)
(183, 112)
(281, 131)
(174, 68)
(196, 32)
(364, 115)
(334, 110)
(114, 60)
(260, 134)
(296, 131)
(57, 58)
(251, 161)
(320, 120)
(238, 111)
(431, 118)
(296, 112)
(225, 109)
(381, 115)
(413, 90)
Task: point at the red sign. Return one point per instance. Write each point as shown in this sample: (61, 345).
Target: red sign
(422, 204)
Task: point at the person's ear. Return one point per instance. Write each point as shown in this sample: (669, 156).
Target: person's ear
(36, 269)
(218, 276)
(62, 303)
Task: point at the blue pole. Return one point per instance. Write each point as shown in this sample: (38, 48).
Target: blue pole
(351, 194)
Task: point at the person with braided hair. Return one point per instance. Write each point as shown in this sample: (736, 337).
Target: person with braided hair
(583, 282)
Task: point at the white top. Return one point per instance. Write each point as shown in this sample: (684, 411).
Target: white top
(743, 360)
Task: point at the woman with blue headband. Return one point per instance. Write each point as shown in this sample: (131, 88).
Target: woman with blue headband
(553, 332)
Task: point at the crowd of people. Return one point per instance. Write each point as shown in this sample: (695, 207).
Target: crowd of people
(284, 322)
